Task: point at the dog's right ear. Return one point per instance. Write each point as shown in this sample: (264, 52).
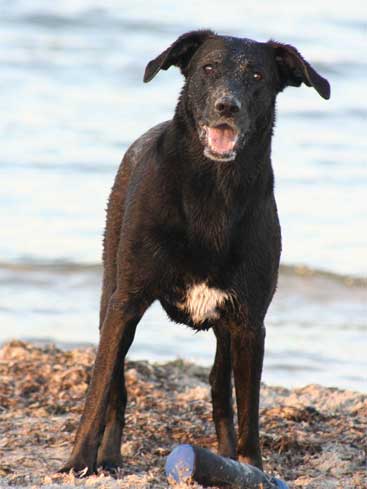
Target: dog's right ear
(178, 54)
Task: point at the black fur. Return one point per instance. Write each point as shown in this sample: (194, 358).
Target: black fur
(183, 213)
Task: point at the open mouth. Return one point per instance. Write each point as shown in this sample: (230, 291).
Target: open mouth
(220, 142)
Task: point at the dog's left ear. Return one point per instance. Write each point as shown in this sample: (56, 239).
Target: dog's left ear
(294, 70)
(178, 54)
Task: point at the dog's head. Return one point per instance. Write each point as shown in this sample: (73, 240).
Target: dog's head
(231, 85)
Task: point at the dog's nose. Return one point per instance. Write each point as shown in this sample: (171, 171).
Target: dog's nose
(227, 105)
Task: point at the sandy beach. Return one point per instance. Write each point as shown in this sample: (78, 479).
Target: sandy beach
(312, 437)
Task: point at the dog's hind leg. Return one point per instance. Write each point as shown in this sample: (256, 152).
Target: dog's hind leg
(109, 453)
(112, 235)
(221, 388)
(117, 333)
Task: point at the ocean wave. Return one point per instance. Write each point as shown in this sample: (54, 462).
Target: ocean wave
(67, 267)
(57, 267)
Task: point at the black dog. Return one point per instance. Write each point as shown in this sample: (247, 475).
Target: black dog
(192, 222)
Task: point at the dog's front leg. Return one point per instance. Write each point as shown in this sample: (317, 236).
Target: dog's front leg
(109, 452)
(116, 336)
(247, 348)
(221, 388)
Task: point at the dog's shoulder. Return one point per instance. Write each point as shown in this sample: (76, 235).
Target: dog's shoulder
(137, 156)
(145, 143)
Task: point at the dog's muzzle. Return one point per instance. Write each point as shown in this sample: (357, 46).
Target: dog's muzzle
(220, 141)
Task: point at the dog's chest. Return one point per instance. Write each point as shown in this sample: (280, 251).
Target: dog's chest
(202, 302)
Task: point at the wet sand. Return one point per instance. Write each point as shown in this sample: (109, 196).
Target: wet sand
(312, 437)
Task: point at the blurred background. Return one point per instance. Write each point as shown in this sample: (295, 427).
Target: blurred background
(72, 101)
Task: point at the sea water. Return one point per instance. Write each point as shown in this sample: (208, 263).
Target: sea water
(72, 100)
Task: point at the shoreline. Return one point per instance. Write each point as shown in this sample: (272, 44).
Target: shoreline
(310, 309)
(65, 267)
(312, 437)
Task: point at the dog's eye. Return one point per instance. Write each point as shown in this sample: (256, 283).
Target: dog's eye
(257, 76)
(208, 69)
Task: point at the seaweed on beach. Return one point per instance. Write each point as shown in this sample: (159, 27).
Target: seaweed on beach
(313, 437)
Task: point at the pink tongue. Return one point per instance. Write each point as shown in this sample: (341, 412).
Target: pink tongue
(221, 140)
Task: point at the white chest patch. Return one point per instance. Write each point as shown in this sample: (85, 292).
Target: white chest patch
(201, 302)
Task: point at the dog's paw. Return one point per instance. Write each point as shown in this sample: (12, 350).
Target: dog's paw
(111, 465)
(254, 461)
(78, 470)
(110, 469)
